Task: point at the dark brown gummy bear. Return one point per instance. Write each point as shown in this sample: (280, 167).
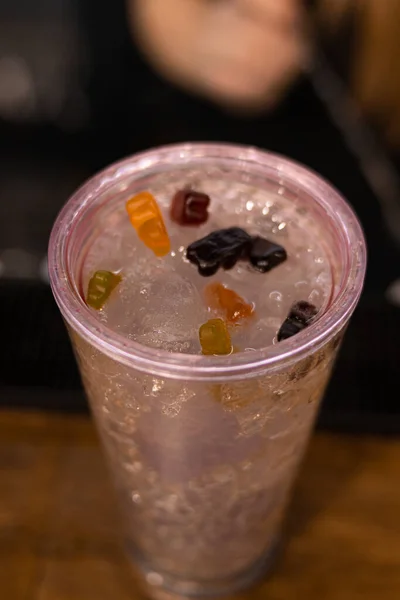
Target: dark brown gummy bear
(300, 315)
(219, 249)
(303, 311)
(289, 328)
(265, 255)
(189, 207)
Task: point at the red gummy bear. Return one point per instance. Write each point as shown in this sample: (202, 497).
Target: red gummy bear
(190, 207)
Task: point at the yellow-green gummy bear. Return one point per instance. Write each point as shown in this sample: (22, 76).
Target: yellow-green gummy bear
(214, 337)
(101, 284)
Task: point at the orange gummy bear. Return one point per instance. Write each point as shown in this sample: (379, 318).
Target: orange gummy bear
(154, 235)
(220, 297)
(146, 218)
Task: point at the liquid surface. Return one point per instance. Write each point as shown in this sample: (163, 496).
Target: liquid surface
(161, 302)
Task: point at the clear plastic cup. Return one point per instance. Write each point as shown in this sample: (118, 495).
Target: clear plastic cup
(203, 494)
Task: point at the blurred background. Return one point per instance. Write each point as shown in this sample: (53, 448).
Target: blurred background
(84, 83)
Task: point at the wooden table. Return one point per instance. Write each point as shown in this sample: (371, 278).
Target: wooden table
(58, 525)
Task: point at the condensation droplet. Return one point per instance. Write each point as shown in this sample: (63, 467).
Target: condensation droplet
(157, 386)
(171, 410)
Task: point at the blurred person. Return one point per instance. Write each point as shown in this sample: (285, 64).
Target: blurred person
(247, 53)
(239, 52)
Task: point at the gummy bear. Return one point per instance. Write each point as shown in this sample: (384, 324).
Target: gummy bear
(303, 311)
(220, 297)
(265, 255)
(146, 218)
(215, 338)
(189, 207)
(300, 316)
(101, 284)
(222, 248)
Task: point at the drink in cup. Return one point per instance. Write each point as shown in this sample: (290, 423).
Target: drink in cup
(206, 289)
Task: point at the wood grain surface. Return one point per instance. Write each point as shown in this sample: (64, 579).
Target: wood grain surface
(59, 528)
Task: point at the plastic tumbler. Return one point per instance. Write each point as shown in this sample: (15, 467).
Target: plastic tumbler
(204, 450)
